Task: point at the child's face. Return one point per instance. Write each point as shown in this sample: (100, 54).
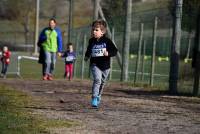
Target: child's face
(97, 32)
(70, 48)
(5, 49)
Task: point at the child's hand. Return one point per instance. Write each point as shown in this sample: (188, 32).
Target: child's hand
(59, 54)
(7, 60)
(105, 53)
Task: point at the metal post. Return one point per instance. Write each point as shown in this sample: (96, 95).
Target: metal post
(70, 23)
(18, 66)
(153, 57)
(143, 60)
(126, 42)
(111, 60)
(189, 45)
(77, 44)
(36, 26)
(175, 48)
(139, 52)
(83, 52)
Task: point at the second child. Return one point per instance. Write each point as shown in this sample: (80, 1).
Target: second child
(5, 59)
(70, 57)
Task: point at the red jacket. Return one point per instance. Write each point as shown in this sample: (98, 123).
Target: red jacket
(6, 57)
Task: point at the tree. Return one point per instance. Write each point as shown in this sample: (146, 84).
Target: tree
(175, 47)
(190, 12)
(21, 11)
(114, 11)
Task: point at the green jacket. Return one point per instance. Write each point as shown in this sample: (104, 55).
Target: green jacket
(51, 40)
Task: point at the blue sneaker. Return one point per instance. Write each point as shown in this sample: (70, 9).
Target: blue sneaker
(98, 99)
(94, 102)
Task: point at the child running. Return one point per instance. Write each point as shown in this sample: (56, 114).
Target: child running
(70, 57)
(99, 50)
(5, 59)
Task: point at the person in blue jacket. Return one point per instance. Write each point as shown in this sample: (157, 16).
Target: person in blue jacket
(50, 41)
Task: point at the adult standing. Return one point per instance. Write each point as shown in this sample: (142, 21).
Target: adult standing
(50, 41)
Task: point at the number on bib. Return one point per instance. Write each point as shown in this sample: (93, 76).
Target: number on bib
(98, 52)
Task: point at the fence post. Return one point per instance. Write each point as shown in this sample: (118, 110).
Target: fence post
(153, 57)
(70, 21)
(77, 44)
(126, 42)
(139, 52)
(189, 44)
(175, 48)
(83, 53)
(36, 26)
(111, 60)
(143, 60)
(18, 66)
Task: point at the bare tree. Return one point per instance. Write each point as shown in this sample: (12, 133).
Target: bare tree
(23, 12)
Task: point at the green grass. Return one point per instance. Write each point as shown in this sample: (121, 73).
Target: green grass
(140, 6)
(32, 70)
(16, 119)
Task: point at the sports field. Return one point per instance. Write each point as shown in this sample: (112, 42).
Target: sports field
(31, 69)
(124, 109)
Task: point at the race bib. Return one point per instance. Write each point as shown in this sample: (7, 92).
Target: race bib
(98, 52)
(69, 58)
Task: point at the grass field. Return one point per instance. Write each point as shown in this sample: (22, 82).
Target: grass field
(30, 69)
(17, 118)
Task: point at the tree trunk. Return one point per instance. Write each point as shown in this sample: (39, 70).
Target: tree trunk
(125, 60)
(196, 58)
(175, 48)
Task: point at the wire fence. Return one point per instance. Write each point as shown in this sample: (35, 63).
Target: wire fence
(80, 37)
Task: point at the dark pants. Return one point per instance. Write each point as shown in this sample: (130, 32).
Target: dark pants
(42, 59)
(4, 68)
(43, 69)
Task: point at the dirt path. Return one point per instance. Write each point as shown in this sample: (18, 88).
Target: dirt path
(123, 110)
